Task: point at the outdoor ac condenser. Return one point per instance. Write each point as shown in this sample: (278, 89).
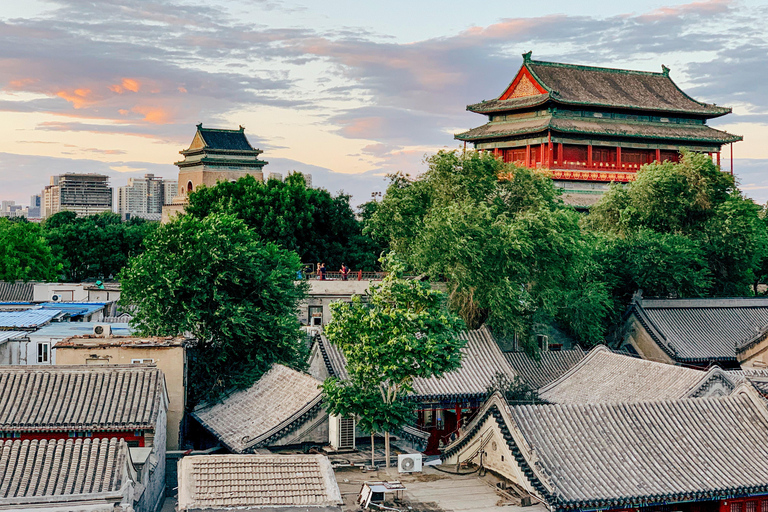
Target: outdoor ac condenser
(341, 431)
(102, 330)
(409, 463)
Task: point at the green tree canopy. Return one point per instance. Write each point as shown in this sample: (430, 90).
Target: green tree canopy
(215, 279)
(309, 221)
(512, 253)
(96, 246)
(681, 229)
(401, 331)
(25, 254)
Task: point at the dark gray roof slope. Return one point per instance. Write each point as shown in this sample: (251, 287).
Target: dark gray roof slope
(617, 88)
(64, 398)
(225, 139)
(758, 377)
(629, 455)
(16, 291)
(599, 455)
(32, 470)
(549, 367)
(702, 330)
(275, 403)
(481, 360)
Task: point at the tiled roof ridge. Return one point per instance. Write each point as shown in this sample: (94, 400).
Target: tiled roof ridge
(701, 302)
(585, 67)
(592, 354)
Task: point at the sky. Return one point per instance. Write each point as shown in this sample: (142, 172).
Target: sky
(346, 90)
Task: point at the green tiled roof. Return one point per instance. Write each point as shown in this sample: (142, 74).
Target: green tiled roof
(604, 127)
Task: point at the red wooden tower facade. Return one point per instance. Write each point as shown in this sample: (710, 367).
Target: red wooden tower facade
(591, 126)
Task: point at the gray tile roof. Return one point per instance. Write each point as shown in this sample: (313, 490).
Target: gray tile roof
(603, 376)
(16, 291)
(27, 319)
(36, 470)
(702, 330)
(549, 367)
(253, 482)
(758, 377)
(481, 360)
(627, 455)
(251, 417)
(604, 453)
(80, 398)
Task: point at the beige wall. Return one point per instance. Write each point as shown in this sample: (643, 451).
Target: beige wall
(755, 356)
(497, 457)
(171, 360)
(641, 341)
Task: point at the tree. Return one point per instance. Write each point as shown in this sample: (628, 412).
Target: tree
(695, 230)
(24, 253)
(216, 280)
(312, 222)
(401, 331)
(95, 246)
(511, 252)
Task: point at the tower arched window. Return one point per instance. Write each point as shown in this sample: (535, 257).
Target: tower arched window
(189, 187)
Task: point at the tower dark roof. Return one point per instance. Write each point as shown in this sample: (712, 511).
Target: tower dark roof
(232, 140)
(602, 87)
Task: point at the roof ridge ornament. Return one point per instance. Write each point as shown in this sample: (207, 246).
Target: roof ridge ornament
(527, 56)
(664, 70)
(200, 126)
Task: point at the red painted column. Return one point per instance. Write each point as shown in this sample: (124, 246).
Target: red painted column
(528, 155)
(658, 155)
(618, 157)
(589, 156)
(718, 159)
(496, 152)
(560, 157)
(541, 155)
(549, 150)
(731, 158)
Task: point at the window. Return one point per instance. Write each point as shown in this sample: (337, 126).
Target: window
(42, 353)
(751, 506)
(737, 507)
(142, 361)
(315, 315)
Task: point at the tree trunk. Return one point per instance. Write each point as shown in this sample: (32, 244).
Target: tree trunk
(386, 449)
(373, 452)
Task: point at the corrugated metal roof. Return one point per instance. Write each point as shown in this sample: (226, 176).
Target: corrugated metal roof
(27, 319)
(75, 308)
(549, 367)
(694, 330)
(12, 335)
(62, 398)
(67, 329)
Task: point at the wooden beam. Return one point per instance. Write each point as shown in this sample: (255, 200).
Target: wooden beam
(658, 155)
(549, 149)
(618, 157)
(589, 156)
(528, 155)
(560, 157)
(718, 159)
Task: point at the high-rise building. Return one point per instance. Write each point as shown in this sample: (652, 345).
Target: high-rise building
(84, 194)
(144, 197)
(5, 207)
(34, 206)
(275, 176)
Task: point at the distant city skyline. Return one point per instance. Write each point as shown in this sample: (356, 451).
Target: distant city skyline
(346, 92)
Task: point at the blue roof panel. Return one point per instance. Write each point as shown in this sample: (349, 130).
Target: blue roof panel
(27, 319)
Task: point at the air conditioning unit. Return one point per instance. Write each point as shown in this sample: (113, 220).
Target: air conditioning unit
(409, 463)
(102, 330)
(341, 432)
(56, 298)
